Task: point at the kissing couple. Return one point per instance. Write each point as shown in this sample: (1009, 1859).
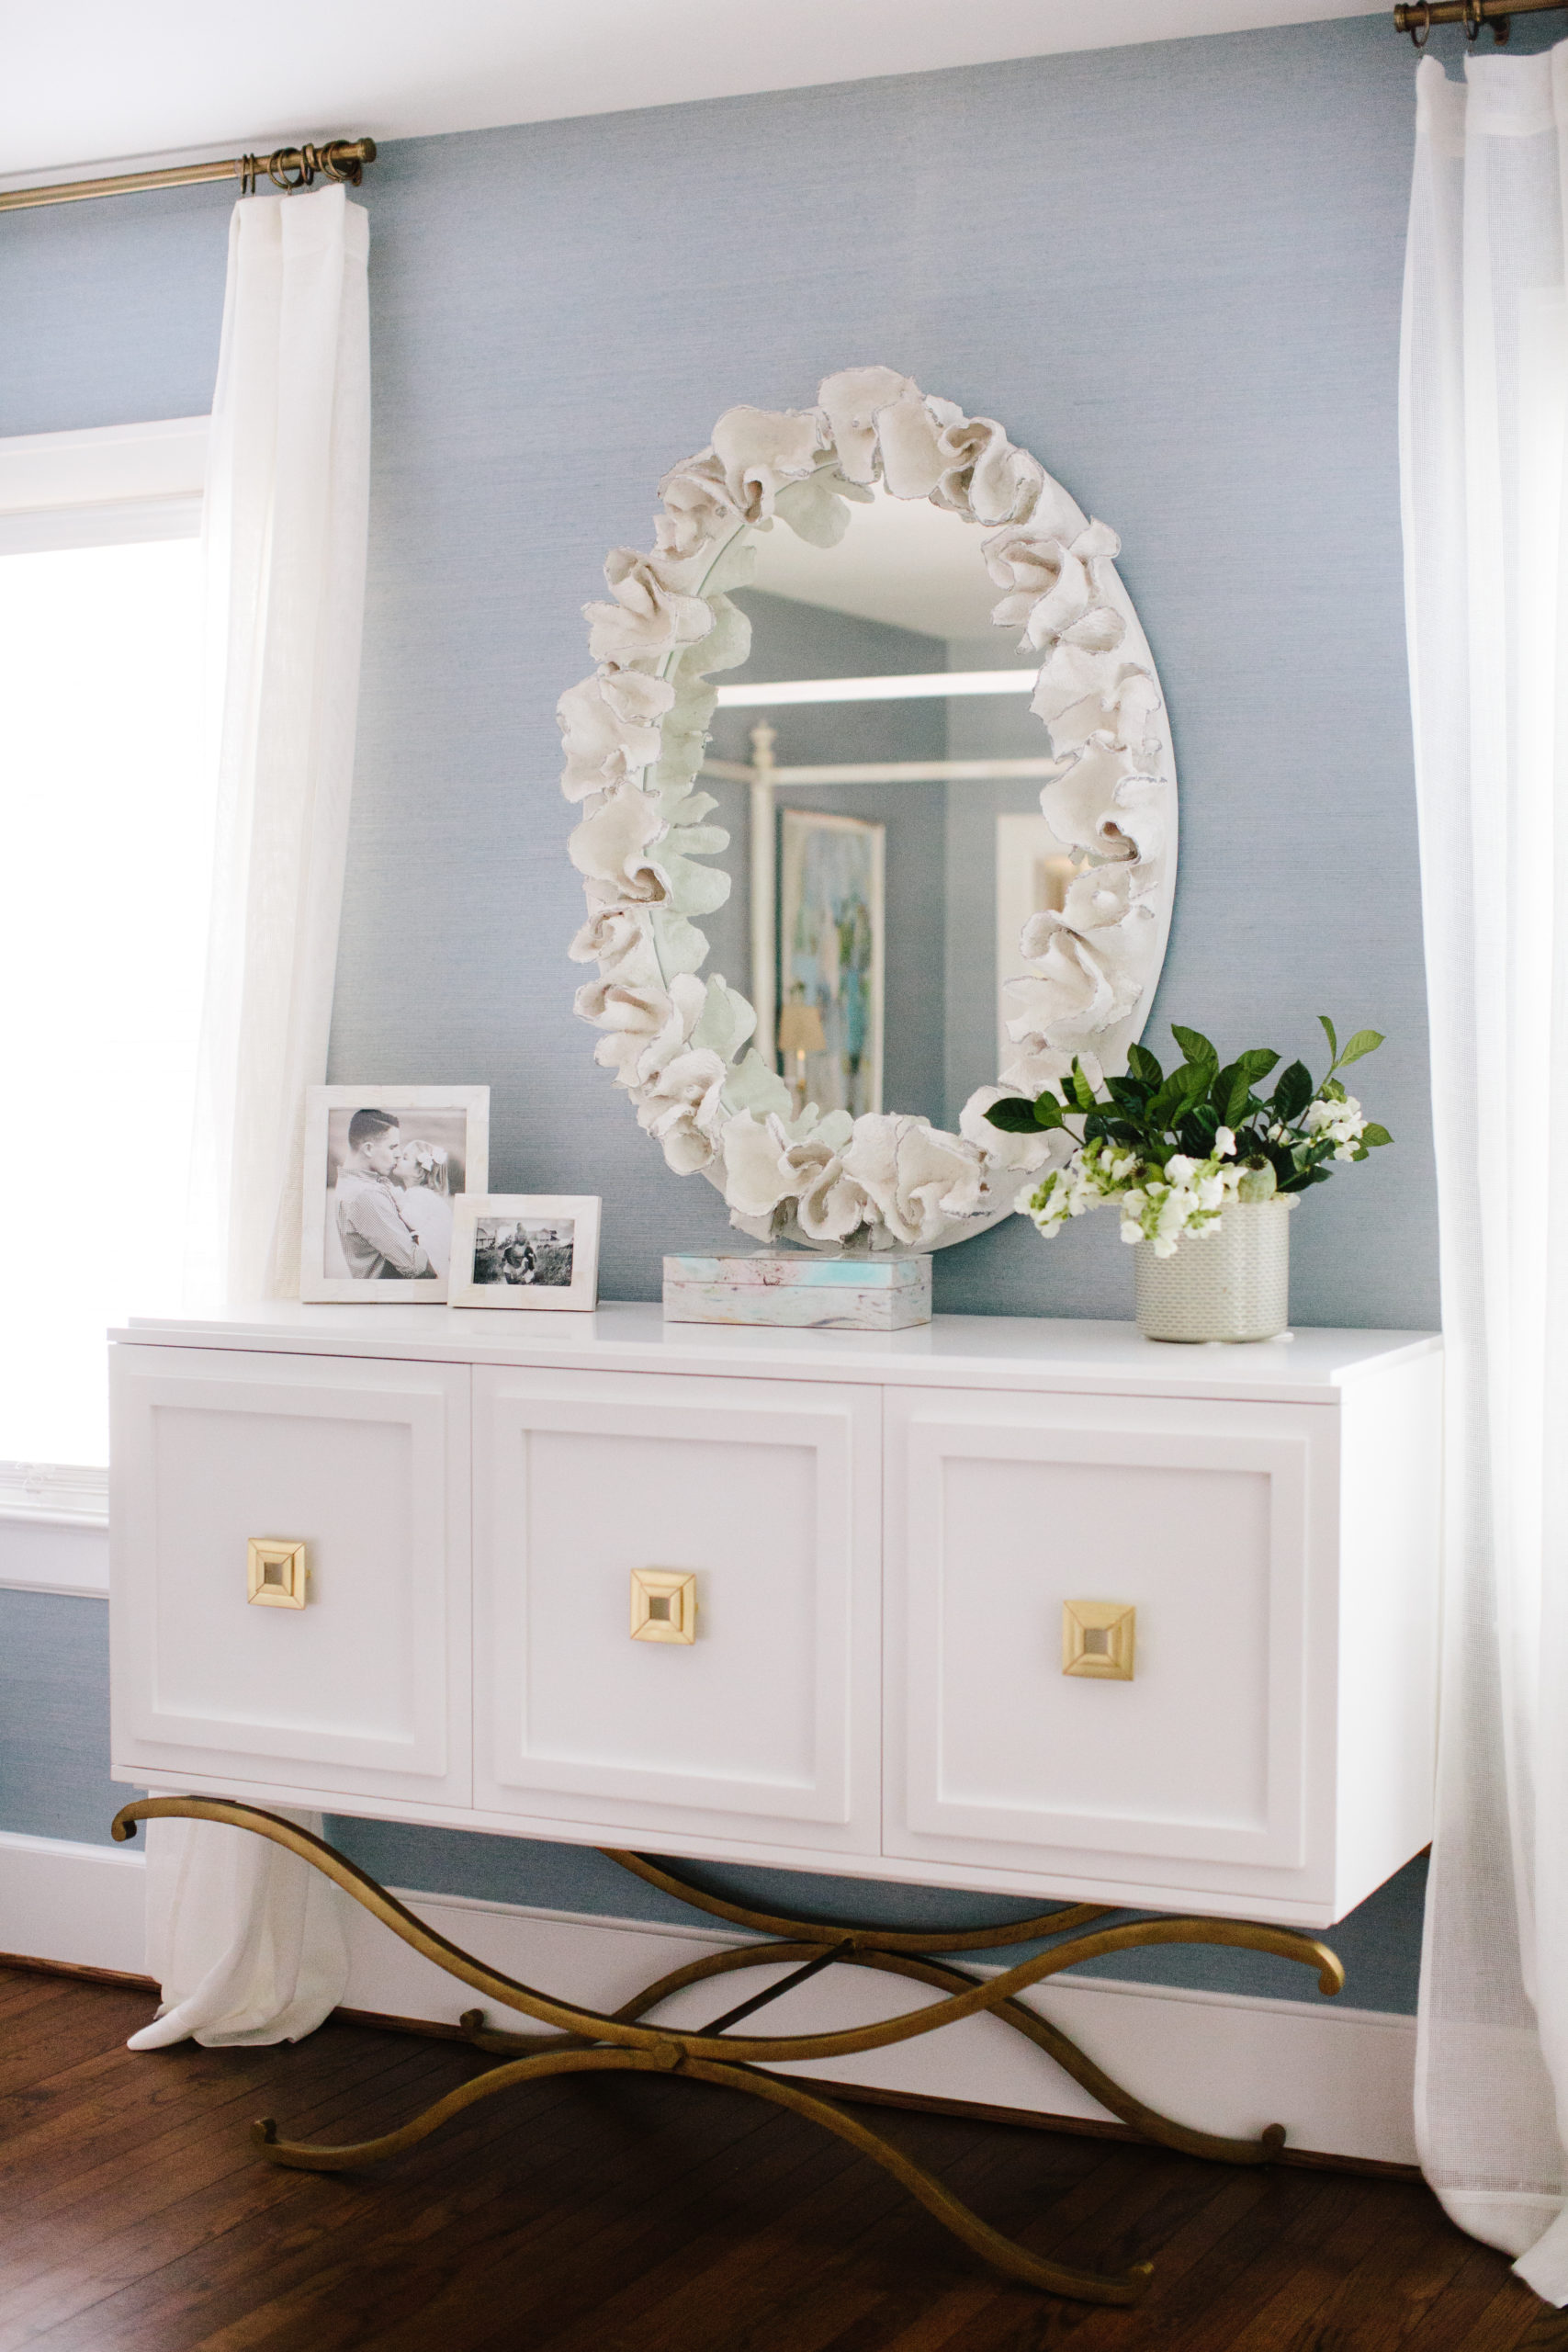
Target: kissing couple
(393, 1203)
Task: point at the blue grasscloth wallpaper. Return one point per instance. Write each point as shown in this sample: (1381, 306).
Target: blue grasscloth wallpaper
(1172, 271)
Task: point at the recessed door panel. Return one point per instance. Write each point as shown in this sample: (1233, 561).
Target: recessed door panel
(761, 1710)
(363, 1688)
(1193, 1750)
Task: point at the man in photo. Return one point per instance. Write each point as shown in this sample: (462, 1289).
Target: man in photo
(378, 1244)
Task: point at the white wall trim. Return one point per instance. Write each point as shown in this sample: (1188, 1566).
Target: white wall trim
(1340, 2080)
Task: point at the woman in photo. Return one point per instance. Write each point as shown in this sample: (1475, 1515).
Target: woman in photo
(420, 1168)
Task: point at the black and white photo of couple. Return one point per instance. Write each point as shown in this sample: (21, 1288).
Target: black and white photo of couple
(391, 1177)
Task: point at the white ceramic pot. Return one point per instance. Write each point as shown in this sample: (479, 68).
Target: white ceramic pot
(1232, 1282)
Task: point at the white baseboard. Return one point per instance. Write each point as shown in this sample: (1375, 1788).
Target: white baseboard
(1340, 2080)
(83, 1904)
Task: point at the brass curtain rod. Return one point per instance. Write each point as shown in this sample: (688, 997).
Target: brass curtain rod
(287, 167)
(1417, 17)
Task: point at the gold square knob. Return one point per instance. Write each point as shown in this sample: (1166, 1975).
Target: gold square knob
(276, 1574)
(664, 1605)
(1097, 1639)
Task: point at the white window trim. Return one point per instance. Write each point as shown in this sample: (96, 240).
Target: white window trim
(102, 487)
(107, 486)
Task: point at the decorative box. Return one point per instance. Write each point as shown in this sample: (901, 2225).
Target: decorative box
(789, 1289)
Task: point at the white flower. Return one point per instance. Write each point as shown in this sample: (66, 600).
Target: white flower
(1224, 1144)
(1342, 1122)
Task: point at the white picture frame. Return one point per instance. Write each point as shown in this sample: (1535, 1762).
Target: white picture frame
(338, 1259)
(535, 1285)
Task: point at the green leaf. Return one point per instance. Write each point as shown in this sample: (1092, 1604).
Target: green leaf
(1196, 1046)
(1328, 1032)
(1292, 1094)
(1258, 1063)
(1279, 1158)
(1101, 1127)
(1015, 1115)
(1365, 1041)
(1130, 1093)
(1374, 1136)
(1303, 1177)
(1082, 1087)
(1048, 1111)
(1240, 1096)
(1143, 1064)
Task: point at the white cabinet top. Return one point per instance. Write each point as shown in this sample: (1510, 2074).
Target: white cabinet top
(992, 1352)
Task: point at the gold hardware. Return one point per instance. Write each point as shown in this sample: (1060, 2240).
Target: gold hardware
(664, 1605)
(276, 1574)
(584, 2041)
(1097, 1639)
(287, 167)
(1417, 17)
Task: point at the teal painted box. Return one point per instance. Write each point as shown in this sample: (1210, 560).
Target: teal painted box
(791, 1291)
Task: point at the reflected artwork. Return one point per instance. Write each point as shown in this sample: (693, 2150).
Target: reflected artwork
(832, 954)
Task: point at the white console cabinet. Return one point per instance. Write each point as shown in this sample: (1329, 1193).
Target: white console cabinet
(885, 1533)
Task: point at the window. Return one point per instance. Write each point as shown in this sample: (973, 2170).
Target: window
(105, 883)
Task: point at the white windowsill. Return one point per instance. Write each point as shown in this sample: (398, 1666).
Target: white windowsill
(54, 1521)
(50, 1494)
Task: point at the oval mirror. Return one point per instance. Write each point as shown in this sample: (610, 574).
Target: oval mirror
(881, 659)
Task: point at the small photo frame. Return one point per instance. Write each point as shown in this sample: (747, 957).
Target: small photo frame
(384, 1166)
(526, 1249)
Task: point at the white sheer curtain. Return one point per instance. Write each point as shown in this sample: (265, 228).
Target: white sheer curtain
(287, 497)
(1484, 397)
(247, 1941)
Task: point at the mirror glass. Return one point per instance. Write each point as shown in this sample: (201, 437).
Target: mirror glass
(878, 770)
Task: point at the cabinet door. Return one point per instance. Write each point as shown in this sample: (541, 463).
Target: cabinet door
(364, 1690)
(765, 1726)
(1212, 1766)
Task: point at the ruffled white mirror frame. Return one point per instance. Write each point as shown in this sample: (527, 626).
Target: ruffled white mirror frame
(635, 732)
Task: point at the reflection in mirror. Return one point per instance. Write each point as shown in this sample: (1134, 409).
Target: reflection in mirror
(884, 813)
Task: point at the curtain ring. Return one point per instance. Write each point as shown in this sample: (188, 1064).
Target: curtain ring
(278, 165)
(1473, 25)
(1425, 34)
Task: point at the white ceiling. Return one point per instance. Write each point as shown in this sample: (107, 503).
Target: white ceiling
(98, 81)
(902, 560)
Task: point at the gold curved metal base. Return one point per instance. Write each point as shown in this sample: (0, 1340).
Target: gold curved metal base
(586, 2040)
(1085, 2285)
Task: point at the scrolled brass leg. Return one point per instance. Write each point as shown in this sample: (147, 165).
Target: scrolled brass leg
(587, 2042)
(302, 2155)
(1185, 2138)
(1003, 2253)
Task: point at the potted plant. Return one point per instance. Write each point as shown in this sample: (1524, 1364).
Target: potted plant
(1203, 1169)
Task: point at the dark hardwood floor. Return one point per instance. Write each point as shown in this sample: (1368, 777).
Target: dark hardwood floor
(644, 2215)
